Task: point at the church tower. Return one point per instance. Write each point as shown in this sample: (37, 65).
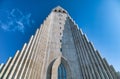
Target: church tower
(58, 50)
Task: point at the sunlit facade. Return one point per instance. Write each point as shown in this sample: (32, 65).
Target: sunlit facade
(58, 50)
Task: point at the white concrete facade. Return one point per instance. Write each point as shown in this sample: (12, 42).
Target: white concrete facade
(58, 41)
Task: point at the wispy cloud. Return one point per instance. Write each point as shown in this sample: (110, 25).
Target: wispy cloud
(15, 20)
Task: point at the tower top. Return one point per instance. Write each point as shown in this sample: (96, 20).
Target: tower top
(59, 9)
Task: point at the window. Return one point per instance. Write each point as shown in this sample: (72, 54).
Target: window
(61, 72)
(61, 49)
(64, 12)
(55, 10)
(60, 15)
(59, 11)
(60, 33)
(60, 27)
(60, 23)
(60, 40)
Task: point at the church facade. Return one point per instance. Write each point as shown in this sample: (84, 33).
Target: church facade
(58, 50)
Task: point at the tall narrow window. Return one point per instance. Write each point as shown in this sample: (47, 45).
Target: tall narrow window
(61, 72)
(61, 49)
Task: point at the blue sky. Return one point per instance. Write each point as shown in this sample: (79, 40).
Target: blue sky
(99, 19)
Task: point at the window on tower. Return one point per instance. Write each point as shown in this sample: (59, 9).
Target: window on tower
(55, 10)
(60, 27)
(60, 33)
(60, 23)
(64, 11)
(60, 40)
(59, 11)
(61, 49)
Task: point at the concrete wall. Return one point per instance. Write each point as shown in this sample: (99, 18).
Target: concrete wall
(59, 40)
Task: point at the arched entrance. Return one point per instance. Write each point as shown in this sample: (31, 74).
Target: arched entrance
(59, 69)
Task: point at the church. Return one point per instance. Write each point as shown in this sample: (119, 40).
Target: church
(58, 50)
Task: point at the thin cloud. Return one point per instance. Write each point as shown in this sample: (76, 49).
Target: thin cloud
(15, 20)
